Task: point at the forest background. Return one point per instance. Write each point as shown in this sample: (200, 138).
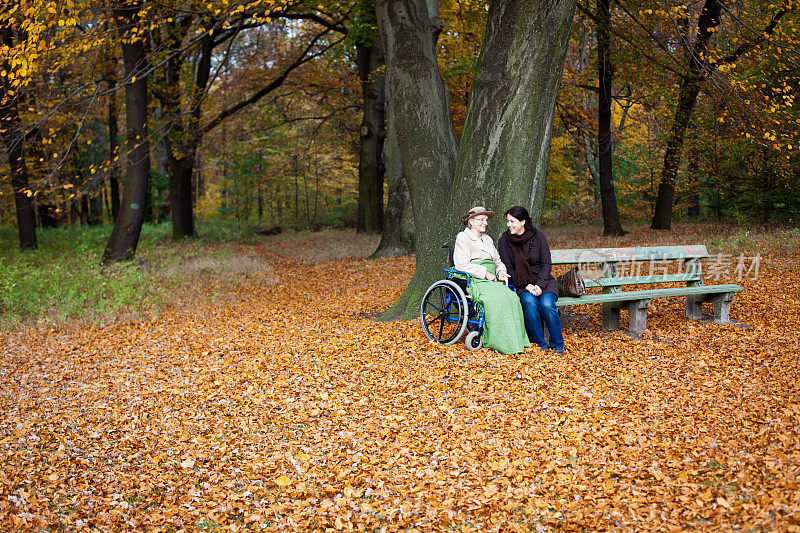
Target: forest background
(265, 102)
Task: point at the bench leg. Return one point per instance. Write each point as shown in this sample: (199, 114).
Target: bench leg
(722, 307)
(637, 316)
(610, 317)
(694, 307)
(564, 314)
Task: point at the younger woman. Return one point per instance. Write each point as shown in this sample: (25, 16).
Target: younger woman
(526, 256)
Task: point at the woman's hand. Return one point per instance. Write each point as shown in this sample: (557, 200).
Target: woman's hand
(490, 276)
(534, 289)
(503, 276)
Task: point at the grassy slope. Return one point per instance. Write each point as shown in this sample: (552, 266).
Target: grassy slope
(62, 281)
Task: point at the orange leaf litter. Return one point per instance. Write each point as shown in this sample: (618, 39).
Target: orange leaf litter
(292, 410)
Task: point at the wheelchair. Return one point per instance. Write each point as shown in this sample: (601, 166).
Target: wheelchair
(447, 311)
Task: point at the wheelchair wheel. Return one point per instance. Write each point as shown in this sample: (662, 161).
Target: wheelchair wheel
(473, 340)
(443, 312)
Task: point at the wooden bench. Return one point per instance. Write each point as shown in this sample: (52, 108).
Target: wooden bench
(643, 265)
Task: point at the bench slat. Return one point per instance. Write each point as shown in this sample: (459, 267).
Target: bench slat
(651, 253)
(646, 295)
(637, 280)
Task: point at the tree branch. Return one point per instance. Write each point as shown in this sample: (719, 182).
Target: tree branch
(303, 58)
(649, 33)
(331, 25)
(763, 35)
(586, 11)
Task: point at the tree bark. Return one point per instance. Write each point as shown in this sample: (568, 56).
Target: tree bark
(693, 175)
(503, 156)
(369, 57)
(398, 225)
(425, 135)
(687, 98)
(113, 151)
(14, 139)
(113, 132)
(605, 76)
(184, 134)
(504, 152)
(128, 224)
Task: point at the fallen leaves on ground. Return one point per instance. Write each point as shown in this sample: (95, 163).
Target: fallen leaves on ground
(290, 410)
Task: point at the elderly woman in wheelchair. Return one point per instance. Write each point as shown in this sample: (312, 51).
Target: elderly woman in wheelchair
(475, 297)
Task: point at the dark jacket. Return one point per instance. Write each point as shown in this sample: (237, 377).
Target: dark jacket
(538, 261)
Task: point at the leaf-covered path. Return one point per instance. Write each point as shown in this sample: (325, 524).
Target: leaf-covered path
(290, 409)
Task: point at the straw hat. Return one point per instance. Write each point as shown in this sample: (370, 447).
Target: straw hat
(476, 211)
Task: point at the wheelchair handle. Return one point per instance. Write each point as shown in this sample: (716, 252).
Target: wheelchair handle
(450, 254)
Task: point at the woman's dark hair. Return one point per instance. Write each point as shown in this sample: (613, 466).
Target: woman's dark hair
(520, 213)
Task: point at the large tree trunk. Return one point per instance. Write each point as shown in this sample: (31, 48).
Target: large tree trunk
(687, 97)
(370, 167)
(504, 153)
(425, 136)
(128, 224)
(14, 139)
(605, 76)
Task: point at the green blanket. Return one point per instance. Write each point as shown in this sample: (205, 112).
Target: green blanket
(503, 326)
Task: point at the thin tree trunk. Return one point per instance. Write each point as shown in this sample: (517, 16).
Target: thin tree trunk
(370, 167)
(185, 134)
(83, 210)
(397, 237)
(687, 98)
(91, 204)
(692, 175)
(295, 171)
(113, 142)
(305, 194)
(128, 225)
(316, 193)
(185, 138)
(605, 76)
(14, 139)
(96, 204)
(590, 156)
(183, 212)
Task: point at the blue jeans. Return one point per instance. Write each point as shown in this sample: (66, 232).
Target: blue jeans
(539, 311)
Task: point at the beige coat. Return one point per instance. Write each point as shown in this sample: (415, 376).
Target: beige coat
(469, 248)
